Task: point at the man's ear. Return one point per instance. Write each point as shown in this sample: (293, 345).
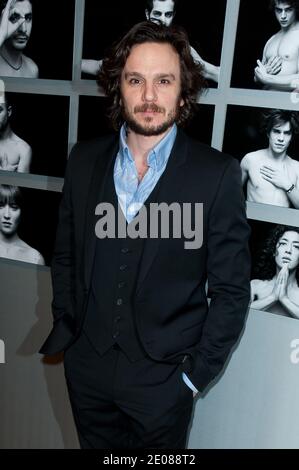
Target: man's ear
(9, 110)
(147, 15)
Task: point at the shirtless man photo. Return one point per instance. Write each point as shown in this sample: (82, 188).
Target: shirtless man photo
(11, 245)
(15, 153)
(160, 11)
(279, 67)
(15, 31)
(271, 175)
(277, 290)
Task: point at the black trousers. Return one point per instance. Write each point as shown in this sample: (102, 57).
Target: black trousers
(118, 404)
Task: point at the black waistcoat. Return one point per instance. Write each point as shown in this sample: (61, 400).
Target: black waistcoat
(110, 316)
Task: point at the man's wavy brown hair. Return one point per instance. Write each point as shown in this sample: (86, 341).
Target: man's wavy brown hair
(192, 80)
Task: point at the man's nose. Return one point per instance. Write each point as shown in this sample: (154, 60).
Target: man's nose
(23, 27)
(283, 15)
(149, 92)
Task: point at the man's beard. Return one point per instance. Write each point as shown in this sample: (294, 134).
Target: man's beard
(149, 130)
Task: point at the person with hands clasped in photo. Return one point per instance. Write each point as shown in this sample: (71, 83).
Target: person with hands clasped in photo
(277, 291)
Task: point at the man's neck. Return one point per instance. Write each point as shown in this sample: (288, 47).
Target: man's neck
(6, 133)
(140, 145)
(278, 157)
(292, 26)
(12, 56)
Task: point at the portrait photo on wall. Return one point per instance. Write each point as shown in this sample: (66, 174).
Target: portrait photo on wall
(205, 36)
(266, 142)
(28, 220)
(34, 133)
(275, 268)
(267, 45)
(36, 39)
(93, 120)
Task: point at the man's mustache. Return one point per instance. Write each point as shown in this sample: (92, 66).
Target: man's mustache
(21, 36)
(149, 107)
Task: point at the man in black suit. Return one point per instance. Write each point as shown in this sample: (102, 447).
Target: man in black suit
(131, 313)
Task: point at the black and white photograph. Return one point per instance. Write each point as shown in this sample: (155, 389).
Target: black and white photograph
(28, 123)
(36, 39)
(266, 142)
(93, 120)
(275, 268)
(28, 220)
(205, 30)
(267, 45)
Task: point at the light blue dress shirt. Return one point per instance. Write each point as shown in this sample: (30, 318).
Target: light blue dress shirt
(131, 195)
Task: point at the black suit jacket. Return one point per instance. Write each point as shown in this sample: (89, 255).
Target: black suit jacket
(173, 319)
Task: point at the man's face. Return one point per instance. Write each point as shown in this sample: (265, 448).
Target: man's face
(21, 10)
(285, 14)
(150, 88)
(287, 250)
(280, 137)
(162, 11)
(10, 214)
(5, 112)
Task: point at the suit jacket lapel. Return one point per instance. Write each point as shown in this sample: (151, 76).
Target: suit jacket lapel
(106, 158)
(171, 184)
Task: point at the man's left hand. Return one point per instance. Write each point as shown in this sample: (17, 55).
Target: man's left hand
(281, 179)
(260, 73)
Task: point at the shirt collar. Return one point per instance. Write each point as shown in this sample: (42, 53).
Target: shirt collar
(158, 156)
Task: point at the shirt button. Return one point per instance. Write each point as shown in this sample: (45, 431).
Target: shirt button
(123, 267)
(119, 302)
(115, 335)
(125, 250)
(117, 319)
(121, 284)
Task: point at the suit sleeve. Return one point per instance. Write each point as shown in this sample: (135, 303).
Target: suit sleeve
(228, 271)
(63, 260)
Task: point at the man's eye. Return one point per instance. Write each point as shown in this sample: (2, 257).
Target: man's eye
(28, 17)
(134, 81)
(14, 18)
(169, 14)
(164, 81)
